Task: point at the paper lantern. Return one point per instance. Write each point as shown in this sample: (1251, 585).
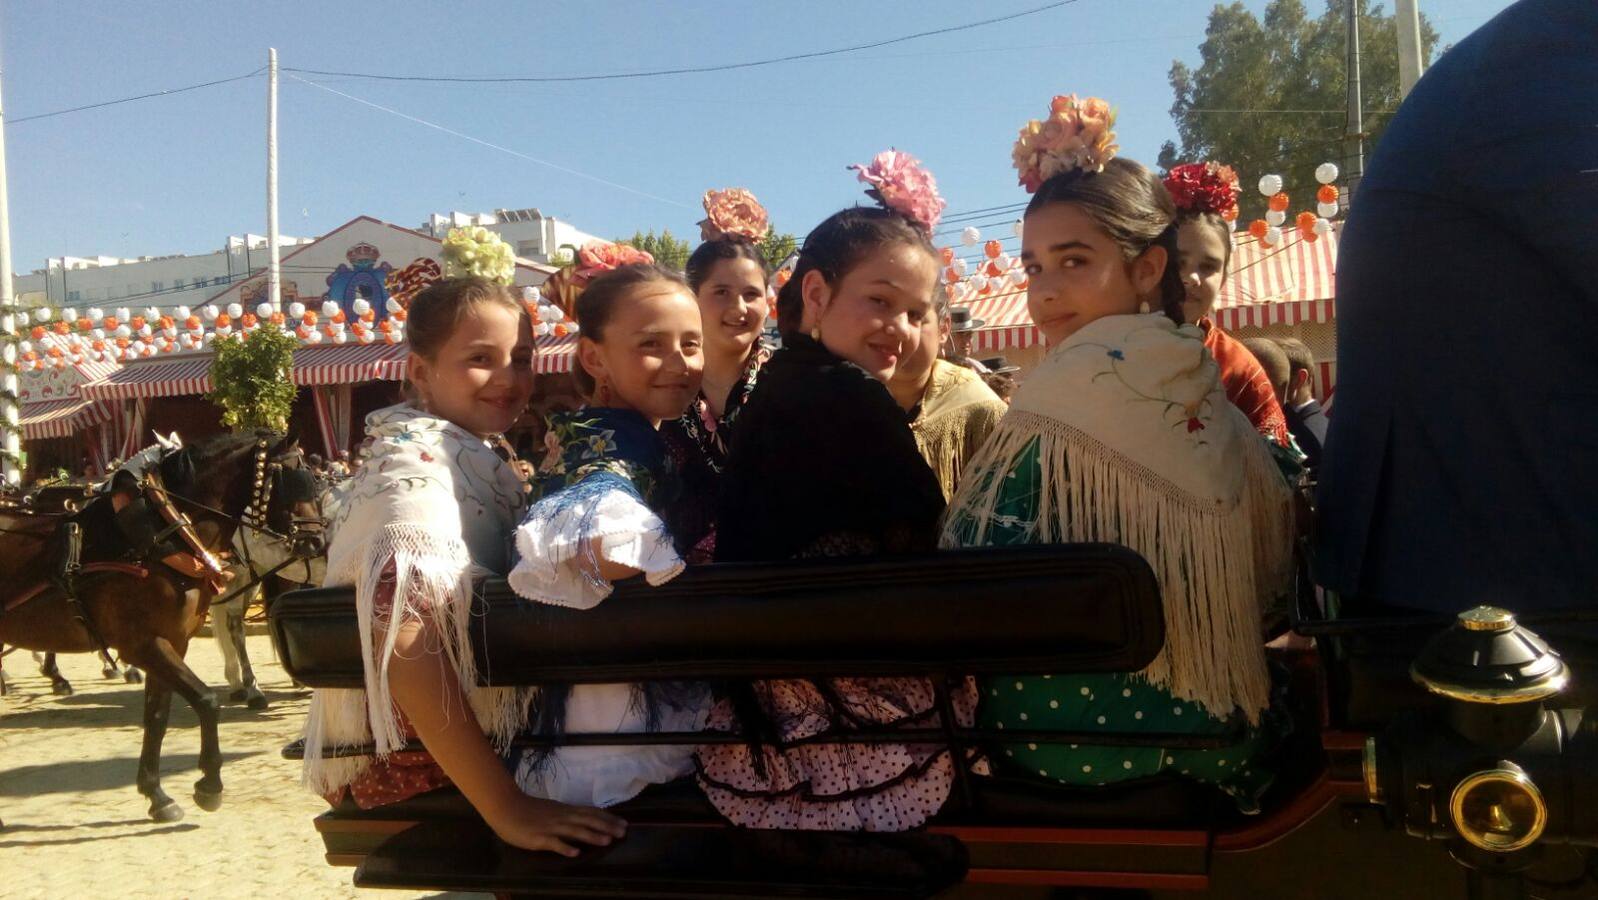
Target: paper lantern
(1278, 202)
(339, 338)
(946, 254)
(1323, 227)
(210, 312)
(1327, 194)
(183, 312)
(1018, 277)
(296, 309)
(961, 267)
(1270, 185)
(192, 323)
(42, 314)
(1326, 173)
(37, 332)
(123, 331)
(1257, 228)
(1305, 220)
(248, 320)
(393, 306)
(263, 309)
(362, 305)
(1327, 210)
(992, 249)
(1275, 217)
(151, 312)
(69, 313)
(276, 318)
(22, 320)
(970, 235)
(85, 324)
(1273, 236)
(124, 313)
(329, 308)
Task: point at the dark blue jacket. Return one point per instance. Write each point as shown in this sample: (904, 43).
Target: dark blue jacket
(1308, 426)
(1462, 464)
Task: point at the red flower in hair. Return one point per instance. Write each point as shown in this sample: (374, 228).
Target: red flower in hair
(1203, 187)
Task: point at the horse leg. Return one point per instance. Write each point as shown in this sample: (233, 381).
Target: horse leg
(166, 664)
(222, 631)
(253, 697)
(58, 682)
(157, 709)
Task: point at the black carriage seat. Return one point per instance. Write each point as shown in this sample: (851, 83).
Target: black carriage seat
(1031, 610)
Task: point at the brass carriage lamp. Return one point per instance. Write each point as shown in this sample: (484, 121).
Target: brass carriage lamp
(1474, 779)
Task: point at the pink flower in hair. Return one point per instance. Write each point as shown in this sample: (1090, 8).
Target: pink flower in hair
(734, 212)
(1076, 135)
(900, 183)
(595, 258)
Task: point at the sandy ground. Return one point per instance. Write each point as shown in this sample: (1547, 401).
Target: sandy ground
(76, 826)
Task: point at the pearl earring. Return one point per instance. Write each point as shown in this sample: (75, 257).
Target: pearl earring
(1144, 308)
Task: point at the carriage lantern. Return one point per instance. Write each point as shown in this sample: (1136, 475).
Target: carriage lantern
(1506, 773)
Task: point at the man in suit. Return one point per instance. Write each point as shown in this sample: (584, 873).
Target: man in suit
(1459, 468)
(1304, 416)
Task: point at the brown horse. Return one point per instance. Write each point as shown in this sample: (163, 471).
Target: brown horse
(146, 578)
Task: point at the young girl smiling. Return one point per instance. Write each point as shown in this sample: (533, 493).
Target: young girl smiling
(824, 464)
(1124, 434)
(427, 513)
(640, 359)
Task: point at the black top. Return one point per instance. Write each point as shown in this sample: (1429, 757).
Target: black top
(823, 463)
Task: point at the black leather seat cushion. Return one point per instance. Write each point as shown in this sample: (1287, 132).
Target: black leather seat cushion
(1028, 610)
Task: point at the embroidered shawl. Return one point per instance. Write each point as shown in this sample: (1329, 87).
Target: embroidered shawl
(1133, 441)
(954, 418)
(608, 481)
(1247, 386)
(440, 503)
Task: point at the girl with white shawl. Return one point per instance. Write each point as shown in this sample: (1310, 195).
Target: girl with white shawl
(1123, 434)
(431, 509)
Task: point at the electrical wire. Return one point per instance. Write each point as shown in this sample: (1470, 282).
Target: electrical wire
(166, 93)
(688, 70)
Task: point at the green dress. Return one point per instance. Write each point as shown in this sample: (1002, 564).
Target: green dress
(1115, 703)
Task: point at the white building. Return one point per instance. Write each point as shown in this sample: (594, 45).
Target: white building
(534, 236)
(160, 281)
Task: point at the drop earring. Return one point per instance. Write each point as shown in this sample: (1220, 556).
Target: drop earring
(1144, 308)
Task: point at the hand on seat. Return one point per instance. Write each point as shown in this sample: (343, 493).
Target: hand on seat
(534, 824)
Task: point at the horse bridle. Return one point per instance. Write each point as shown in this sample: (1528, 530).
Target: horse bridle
(302, 541)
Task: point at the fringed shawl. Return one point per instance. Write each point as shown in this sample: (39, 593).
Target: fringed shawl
(1137, 445)
(439, 503)
(956, 415)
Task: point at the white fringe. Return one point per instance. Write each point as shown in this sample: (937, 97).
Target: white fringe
(1217, 564)
(433, 579)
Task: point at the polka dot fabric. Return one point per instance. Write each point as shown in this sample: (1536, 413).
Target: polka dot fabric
(834, 787)
(1117, 704)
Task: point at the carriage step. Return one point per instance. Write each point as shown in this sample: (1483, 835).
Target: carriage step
(671, 861)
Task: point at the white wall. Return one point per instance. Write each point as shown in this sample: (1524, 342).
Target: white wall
(531, 234)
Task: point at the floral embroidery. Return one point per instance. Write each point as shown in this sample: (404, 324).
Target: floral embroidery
(701, 425)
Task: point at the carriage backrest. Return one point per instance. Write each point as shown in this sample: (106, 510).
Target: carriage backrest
(1026, 610)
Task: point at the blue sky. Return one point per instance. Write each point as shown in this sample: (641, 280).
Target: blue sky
(178, 174)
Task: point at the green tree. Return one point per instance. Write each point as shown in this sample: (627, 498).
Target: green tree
(666, 249)
(777, 247)
(251, 378)
(1269, 94)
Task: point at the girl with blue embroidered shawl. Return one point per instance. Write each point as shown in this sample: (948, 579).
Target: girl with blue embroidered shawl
(1123, 434)
(639, 363)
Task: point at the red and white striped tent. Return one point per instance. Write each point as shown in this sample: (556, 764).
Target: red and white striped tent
(1292, 285)
(54, 405)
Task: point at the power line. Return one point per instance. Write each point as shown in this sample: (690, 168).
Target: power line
(476, 140)
(689, 70)
(165, 93)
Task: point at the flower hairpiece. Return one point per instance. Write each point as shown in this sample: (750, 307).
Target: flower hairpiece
(734, 212)
(900, 183)
(595, 258)
(478, 252)
(1205, 187)
(1077, 134)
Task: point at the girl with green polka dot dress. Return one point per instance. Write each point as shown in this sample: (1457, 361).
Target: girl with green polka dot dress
(1123, 434)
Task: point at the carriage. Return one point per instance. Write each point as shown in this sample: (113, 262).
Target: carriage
(1427, 756)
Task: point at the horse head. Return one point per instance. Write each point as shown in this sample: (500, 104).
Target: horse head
(253, 479)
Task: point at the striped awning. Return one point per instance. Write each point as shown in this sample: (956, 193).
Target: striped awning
(59, 418)
(555, 354)
(190, 373)
(1285, 285)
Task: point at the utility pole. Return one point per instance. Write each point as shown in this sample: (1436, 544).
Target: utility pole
(1356, 116)
(10, 471)
(1406, 15)
(274, 274)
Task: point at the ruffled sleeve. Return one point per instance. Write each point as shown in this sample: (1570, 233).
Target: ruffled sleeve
(554, 544)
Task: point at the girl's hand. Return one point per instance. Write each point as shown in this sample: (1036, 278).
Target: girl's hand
(534, 824)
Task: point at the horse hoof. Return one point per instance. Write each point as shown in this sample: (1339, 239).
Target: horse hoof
(61, 689)
(167, 812)
(210, 801)
(258, 702)
(238, 696)
(132, 676)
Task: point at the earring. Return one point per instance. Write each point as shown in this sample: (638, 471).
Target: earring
(1144, 308)
(815, 333)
